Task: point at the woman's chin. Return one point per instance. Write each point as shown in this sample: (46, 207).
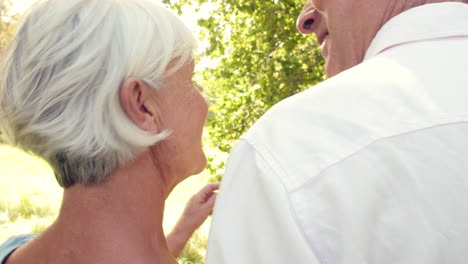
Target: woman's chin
(202, 164)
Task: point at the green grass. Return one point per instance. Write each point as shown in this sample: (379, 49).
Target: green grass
(30, 198)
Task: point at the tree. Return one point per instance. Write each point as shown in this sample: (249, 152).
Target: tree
(260, 59)
(8, 23)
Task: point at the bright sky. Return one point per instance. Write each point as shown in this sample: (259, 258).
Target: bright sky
(21, 5)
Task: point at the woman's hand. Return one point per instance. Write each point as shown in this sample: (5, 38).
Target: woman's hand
(195, 213)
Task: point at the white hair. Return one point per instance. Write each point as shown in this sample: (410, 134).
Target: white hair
(60, 80)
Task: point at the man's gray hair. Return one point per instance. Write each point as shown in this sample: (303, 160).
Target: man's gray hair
(60, 80)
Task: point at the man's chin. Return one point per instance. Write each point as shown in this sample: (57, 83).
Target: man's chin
(330, 70)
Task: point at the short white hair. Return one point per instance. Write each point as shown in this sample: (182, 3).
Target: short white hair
(60, 80)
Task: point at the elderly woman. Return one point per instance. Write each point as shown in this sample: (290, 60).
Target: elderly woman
(102, 90)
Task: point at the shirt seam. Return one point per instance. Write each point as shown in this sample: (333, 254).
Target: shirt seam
(279, 170)
(379, 44)
(391, 46)
(322, 171)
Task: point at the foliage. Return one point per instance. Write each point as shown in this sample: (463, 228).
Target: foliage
(259, 58)
(8, 23)
(194, 251)
(25, 208)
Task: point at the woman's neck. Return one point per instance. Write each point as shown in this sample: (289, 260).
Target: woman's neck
(117, 221)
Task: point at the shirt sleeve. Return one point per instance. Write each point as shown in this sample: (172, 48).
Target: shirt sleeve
(7, 248)
(253, 221)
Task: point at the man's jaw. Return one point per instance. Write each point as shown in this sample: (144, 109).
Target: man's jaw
(321, 36)
(323, 40)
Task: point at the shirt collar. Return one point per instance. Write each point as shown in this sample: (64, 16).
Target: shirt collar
(431, 21)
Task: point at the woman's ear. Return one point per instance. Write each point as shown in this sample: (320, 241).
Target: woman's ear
(137, 100)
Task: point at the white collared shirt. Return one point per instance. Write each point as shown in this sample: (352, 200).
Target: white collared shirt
(370, 166)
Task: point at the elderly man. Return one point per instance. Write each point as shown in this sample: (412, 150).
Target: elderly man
(370, 166)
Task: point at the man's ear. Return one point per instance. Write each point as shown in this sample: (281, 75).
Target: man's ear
(137, 100)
